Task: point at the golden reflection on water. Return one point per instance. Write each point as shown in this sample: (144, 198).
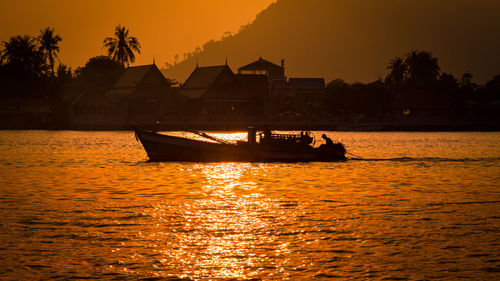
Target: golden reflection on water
(224, 225)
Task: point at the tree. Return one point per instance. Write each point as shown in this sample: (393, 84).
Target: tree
(398, 68)
(492, 88)
(422, 67)
(121, 47)
(48, 45)
(466, 81)
(448, 83)
(99, 73)
(494, 83)
(21, 52)
(64, 72)
(23, 73)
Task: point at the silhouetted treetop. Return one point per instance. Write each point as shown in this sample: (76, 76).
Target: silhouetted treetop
(417, 69)
(398, 69)
(121, 47)
(99, 73)
(48, 45)
(422, 67)
(21, 51)
(23, 73)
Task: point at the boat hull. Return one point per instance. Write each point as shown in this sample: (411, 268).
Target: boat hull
(170, 148)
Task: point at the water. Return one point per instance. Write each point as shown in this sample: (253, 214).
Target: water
(87, 205)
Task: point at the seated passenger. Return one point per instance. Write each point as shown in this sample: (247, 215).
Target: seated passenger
(328, 141)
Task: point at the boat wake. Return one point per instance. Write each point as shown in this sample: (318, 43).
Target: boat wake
(426, 159)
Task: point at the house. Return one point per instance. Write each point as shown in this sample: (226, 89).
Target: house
(204, 80)
(264, 67)
(287, 98)
(141, 95)
(255, 89)
(216, 92)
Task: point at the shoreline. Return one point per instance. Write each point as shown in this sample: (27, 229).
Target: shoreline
(224, 127)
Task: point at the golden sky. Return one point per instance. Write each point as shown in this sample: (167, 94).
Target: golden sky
(164, 28)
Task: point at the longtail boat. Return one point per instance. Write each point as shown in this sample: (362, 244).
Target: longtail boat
(269, 148)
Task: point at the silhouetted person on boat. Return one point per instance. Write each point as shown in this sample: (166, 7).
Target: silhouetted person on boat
(328, 141)
(331, 149)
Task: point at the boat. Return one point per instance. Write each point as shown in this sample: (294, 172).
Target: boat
(269, 148)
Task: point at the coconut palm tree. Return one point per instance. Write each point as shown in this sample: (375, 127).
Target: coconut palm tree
(121, 47)
(397, 68)
(22, 52)
(48, 45)
(422, 66)
(24, 71)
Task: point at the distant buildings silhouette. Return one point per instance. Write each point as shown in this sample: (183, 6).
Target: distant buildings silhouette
(104, 95)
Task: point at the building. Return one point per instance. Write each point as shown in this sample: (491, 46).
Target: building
(215, 92)
(291, 98)
(264, 67)
(142, 95)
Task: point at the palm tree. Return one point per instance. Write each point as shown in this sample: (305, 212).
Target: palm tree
(48, 45)
(121, 47)
(22, 52)
(422, 66)
(397, 69)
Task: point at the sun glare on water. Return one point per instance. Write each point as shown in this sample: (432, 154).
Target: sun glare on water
(221, 233)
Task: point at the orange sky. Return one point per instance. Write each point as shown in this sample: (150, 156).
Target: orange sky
(164, 28)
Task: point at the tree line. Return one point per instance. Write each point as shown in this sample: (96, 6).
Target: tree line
(27, 65)
(414, 71)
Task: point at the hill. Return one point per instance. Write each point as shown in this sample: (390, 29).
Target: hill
(355, 39)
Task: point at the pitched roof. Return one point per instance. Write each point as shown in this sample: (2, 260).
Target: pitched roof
(133, 76)
(130, 81)
(260, 64)
(202, 77)
(307, 83)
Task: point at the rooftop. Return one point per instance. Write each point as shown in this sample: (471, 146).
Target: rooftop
(260, 64)
(134, 75)
(202, 77)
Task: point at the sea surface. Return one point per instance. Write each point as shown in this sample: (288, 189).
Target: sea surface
(406, 206)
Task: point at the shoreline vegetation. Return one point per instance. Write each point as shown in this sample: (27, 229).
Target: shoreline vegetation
(242, 127)
(106, 94)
